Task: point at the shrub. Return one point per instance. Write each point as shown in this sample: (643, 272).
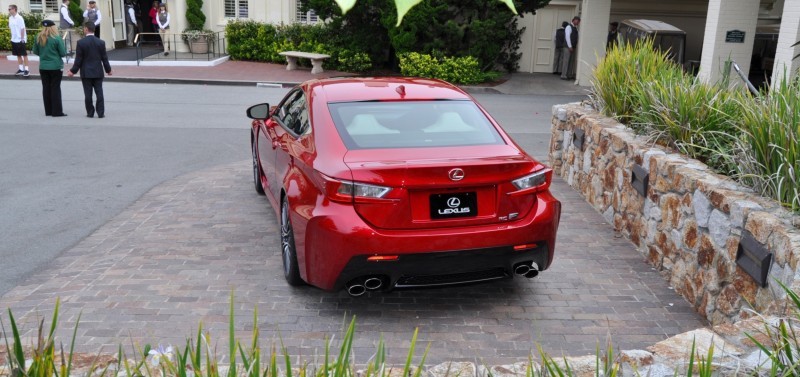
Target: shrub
(251, 40)
(195, 18)
(457, 70)
(754, 139)
(618, 77)
(482, 29)
(5, 37)
(352, 61)
(76, 14)
(33, 23)
(769, 125)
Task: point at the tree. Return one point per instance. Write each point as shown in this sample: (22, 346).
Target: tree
(484, 30)
(194, 15)
(403, 6)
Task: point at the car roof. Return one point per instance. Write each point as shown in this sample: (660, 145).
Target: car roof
(350, 89)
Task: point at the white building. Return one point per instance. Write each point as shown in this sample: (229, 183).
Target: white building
(218, 13)
(707, 24)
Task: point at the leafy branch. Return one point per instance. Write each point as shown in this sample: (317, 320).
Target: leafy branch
(403, 6)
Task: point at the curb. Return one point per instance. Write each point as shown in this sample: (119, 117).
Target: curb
(161, 80)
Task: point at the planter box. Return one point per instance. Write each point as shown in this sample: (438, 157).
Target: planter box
(199, 46)
(687, 221)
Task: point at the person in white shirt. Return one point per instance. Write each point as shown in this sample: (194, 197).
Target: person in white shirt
(163, 26)
(93, 14)
(65, 22)
(130, 21)
(568, 52)
(19, 39)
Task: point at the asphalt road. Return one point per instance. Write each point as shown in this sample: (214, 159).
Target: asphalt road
(62, 178)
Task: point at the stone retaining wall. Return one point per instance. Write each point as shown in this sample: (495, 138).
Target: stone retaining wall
(689, 222)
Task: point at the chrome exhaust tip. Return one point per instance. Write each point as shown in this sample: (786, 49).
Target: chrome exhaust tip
(356, 290)
(522, 269)
(533, 272)
(373, 283)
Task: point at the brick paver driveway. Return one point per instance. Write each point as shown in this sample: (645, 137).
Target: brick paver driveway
(172, 259)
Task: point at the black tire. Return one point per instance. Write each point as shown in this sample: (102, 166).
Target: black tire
(256, 171)
(291, 270)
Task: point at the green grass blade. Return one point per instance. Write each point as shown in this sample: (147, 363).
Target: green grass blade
(67, 373)
(232, 342)
(19, 355)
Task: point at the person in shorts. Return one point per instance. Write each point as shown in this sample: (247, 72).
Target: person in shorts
(19, 39)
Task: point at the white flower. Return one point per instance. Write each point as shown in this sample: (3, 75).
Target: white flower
(156, 355)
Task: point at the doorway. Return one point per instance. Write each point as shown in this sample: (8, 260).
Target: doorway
(537, 45)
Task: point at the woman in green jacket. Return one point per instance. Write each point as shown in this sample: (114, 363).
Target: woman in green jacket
(50, 48)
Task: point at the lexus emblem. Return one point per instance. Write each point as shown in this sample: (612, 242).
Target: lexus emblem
(453, 202)
(456, 174)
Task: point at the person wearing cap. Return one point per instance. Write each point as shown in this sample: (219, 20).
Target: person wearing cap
(163, 26)
(91, 59)
(93, 14)
(50, 48)
(19, 40)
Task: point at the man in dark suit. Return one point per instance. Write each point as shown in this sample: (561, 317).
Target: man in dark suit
(91, 59)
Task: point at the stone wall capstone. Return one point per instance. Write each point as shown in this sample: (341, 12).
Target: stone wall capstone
(689, 222)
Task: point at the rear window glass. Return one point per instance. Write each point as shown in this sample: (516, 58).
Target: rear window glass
(412, 124)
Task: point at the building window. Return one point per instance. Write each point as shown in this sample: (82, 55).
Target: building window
(309, 17)
(236, 9)
(44, 6)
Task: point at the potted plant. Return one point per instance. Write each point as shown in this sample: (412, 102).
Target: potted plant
(198, 40)
(196, 35)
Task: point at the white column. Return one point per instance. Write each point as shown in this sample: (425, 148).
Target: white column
(592, 36)
(177, 23)
(741, 15)
(789, 35)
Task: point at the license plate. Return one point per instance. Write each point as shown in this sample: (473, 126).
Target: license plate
(447, 206)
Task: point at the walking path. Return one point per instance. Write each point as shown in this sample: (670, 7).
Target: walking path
(172, 259)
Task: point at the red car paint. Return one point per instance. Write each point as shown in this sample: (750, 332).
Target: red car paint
(308, 153)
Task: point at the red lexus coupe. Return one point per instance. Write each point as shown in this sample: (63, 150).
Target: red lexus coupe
(383, 183)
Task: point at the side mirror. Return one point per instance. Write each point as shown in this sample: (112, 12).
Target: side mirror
(260, 111)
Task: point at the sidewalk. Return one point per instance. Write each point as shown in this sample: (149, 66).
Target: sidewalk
(253, 73)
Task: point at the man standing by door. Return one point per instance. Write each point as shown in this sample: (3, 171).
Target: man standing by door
(130, 22)
(91, 59)
(568, 53)
(19, 40)
(560, 41)
(66, 23)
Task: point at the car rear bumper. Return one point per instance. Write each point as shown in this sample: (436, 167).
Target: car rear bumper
(442, 268)
(338, 242)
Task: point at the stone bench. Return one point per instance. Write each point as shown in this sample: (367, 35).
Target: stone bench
(316, 60)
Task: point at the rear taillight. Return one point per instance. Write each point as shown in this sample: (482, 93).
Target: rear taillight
(348, 191)
(535, 182)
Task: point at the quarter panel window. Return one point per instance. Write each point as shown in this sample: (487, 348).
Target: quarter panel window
(293, 113)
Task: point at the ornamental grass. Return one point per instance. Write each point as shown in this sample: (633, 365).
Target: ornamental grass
(754, 139)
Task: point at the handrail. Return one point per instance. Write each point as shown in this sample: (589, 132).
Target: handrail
(744, 78)
(216, 44)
